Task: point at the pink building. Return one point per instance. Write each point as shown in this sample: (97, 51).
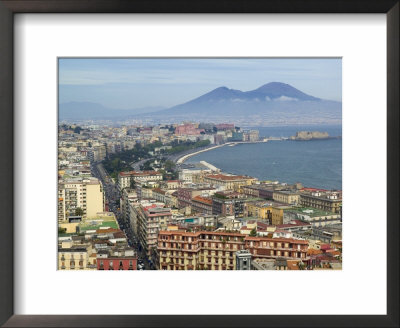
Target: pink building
(187, 128)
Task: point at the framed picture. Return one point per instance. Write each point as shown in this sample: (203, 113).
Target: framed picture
(50, 60)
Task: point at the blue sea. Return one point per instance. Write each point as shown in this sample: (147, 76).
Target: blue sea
(315, 163)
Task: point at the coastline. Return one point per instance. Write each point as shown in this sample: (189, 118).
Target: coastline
(183, 158)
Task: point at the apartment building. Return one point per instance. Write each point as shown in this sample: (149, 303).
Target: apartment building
(124, 259)
(150, 220)
(202, 205)
(271, 212)
(229, 203)
(127, 197)
(185, 195)
(204, 250)
(229, 182)
(262, 247)
(124, 178)
(75, 257)
(330, 201)
(286, 197)
(317, 218)
(84, 193)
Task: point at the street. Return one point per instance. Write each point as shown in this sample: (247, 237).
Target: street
(112, 195)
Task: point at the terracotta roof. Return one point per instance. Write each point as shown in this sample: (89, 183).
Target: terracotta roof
(262, 225)
(227, 177)
(312, 251)
(282, 239)
(201, 199)
(325, 247)
(107, 230)
(160, 191)
(295, 224)
(119, 234)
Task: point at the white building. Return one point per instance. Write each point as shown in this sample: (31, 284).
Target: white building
(124, 178)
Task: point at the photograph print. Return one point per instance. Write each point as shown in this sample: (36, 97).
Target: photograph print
(199, 164)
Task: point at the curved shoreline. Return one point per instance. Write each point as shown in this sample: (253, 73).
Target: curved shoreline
(182, 159)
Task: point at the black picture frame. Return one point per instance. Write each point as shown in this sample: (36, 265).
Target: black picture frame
(10, 7)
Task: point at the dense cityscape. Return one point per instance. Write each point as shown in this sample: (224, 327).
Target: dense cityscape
(128, 201)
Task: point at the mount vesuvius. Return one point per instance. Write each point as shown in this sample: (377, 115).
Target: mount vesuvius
(272, 103)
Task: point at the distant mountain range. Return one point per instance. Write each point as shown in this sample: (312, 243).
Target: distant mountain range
(273, 103)
(93, 111)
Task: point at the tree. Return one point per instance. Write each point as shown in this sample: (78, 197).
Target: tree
(169, 165)
(78, 129)
(78, 211)
(253, 233)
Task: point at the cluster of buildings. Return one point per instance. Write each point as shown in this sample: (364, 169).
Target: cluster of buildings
(204, 220)
(211, 220)
(89, 236)
(94, 244)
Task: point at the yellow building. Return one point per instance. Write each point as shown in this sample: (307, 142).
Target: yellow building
(75, 257)
(268, 211)
(277, 214)
(69, 227)
(229, 182)
(180, 250)
(286, 197)
(84, 193)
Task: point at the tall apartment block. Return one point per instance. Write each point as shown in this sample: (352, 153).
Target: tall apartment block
(86, 193)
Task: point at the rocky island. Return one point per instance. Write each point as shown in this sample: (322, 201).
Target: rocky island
(310, 135)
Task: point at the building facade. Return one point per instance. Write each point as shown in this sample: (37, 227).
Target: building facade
(124, 178)
(325, 201)
(229, 182)
(85, 193)
(203, 250)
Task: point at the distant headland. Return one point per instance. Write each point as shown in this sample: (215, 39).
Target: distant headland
(311, 135)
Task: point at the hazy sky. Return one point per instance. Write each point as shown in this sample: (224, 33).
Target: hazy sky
(136, 83)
